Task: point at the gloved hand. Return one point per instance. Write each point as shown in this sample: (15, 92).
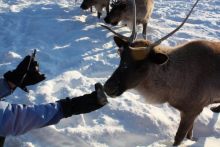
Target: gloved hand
(32, 77)
(84, 104)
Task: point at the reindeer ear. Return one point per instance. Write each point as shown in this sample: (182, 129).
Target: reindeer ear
(118, 41)
(159, 58)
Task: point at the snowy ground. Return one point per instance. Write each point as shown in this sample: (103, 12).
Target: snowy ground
(75, 52)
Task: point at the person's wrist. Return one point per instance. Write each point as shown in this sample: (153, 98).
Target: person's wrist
(11, 85)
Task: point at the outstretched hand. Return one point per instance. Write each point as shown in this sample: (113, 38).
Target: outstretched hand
(84, 104)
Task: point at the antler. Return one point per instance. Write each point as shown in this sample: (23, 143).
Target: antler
(171, 33)
(134, 31)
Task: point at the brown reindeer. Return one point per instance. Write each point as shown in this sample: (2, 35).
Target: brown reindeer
(186, 76)
(122, 10)
(98, 4)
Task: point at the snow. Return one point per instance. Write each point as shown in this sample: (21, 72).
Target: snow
(75, 52)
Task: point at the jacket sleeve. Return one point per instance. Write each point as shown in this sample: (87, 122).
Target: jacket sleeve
(4, 89)
(17, 119)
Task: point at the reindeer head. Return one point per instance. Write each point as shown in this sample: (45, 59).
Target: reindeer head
(136, 56)
(133, 67)
(86, 4)
(116, 13)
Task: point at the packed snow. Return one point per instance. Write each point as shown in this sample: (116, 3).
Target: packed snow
(75, 52)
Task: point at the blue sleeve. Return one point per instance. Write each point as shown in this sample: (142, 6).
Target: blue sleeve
(17, 119)
(4, 89)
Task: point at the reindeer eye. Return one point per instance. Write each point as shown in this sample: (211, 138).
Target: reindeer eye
(142, 68)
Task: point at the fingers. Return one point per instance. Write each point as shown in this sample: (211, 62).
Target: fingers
(98, 86)
(23, 65)
(26, 59)
(25, 89)
(35, 72)
(34, 67)
(101, 97)
(35, 63)
(42, 77)
(38, 77)
(32, 79)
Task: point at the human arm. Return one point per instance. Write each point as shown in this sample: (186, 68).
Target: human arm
(5, 89)
(17, 119)
(11, 85)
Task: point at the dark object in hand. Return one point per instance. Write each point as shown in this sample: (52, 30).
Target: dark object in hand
(23, 76)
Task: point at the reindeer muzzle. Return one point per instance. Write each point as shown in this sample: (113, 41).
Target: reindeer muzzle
(111, 89)
(84, 7)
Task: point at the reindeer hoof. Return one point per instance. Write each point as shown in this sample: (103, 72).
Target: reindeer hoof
(193, 138)
(99, 15)
(176, 144)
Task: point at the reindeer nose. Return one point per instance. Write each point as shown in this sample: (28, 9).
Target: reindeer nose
(110, 88)
(83, 6)
(106, 20)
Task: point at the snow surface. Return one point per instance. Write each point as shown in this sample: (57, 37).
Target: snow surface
(75, 52)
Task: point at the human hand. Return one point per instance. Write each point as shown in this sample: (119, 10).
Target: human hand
(84, 104)
(27, 73)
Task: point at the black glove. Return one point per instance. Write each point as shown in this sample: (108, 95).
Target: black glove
(85, 103)
(33, 75)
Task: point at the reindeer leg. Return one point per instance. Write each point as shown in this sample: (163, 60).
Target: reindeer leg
(144, 30)
(99, 14)
(190, 132)
(91, 9)
(107, 9)
(186, 125)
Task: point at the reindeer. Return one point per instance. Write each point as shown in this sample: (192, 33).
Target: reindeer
(186, 76)
(90, 7)
(99, 5)
(122, 10)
